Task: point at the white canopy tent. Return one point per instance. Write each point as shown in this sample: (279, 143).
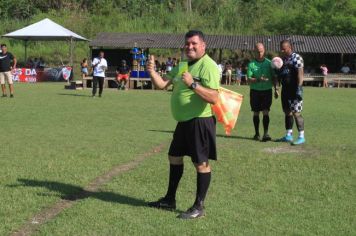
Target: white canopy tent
(46, 30)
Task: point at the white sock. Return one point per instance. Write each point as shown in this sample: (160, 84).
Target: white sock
(301, 134)
(289, 132)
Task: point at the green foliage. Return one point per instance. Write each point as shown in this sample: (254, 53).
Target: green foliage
(316, 17)
(262, 17)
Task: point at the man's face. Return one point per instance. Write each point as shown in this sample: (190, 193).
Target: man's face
(286, 49)
(260, 51)
(194, 47)
(4, 49)
(101, 54)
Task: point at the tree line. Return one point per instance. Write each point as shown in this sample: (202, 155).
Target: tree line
(238, 17)
(307, 17)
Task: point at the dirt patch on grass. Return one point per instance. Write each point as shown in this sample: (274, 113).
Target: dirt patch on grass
(285, 149)
(51, 212)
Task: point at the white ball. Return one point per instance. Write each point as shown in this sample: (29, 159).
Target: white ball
(277, 63)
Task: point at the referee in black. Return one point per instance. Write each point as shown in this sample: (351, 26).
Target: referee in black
(261, 78)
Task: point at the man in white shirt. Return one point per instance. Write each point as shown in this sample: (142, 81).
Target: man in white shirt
(221, 69)
(99, 65)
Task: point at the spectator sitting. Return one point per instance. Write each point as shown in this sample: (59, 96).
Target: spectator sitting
(175, 63)
(157, 66)
(29, 63)
(169, 64)
(122, 75)
(345, 69)
(36, 63)
(307, 70)
(163, 68)
(41, 63)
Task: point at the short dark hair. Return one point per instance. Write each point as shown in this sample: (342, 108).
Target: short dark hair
(3, 45)
(192, 33)
(286, 41)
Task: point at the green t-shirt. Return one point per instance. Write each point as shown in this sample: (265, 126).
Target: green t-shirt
(185, 103)
(258, 68)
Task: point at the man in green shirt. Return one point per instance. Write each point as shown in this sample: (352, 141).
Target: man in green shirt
(261, 79)
(196, 83)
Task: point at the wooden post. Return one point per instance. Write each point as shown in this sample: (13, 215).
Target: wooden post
(342, 59)
(189, 6)
(71, 57)
(220, 55)
(26, 41)
(71, 51)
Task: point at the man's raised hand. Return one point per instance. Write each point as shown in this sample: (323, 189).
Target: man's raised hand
(150, 67)
(187, 78)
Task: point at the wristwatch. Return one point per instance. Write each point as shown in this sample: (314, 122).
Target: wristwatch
(193, 85)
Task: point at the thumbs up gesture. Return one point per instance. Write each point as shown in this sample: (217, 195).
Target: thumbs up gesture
(150, 65)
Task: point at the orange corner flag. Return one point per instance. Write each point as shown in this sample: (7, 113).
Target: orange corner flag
(227, 108)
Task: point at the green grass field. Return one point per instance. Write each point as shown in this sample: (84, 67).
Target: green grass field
(54, 142)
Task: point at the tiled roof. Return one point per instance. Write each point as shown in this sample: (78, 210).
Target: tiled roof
(302, 44)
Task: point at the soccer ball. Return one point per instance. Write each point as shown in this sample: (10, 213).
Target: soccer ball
(277, 63)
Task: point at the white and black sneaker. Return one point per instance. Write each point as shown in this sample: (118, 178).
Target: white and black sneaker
(163, 203)
(192, 213)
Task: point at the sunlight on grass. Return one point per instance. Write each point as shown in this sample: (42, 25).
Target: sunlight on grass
(55, 142)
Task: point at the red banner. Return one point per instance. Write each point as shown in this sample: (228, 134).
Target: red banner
(25, 75)
(32, 75)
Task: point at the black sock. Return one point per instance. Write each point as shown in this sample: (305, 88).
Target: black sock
(175, 174)
(289, 122)
(203, 182)
(299, 120)
(265, 123)
(256, 122)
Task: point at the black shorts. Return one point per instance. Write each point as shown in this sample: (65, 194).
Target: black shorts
(290, 102)
(195, 138)
(260, 100)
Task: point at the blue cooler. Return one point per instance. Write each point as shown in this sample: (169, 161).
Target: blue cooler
(144, 74)
(140, 74)
(134, 74)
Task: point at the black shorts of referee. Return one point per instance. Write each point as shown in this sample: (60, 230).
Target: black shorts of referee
(195, 138)
(260, 100)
